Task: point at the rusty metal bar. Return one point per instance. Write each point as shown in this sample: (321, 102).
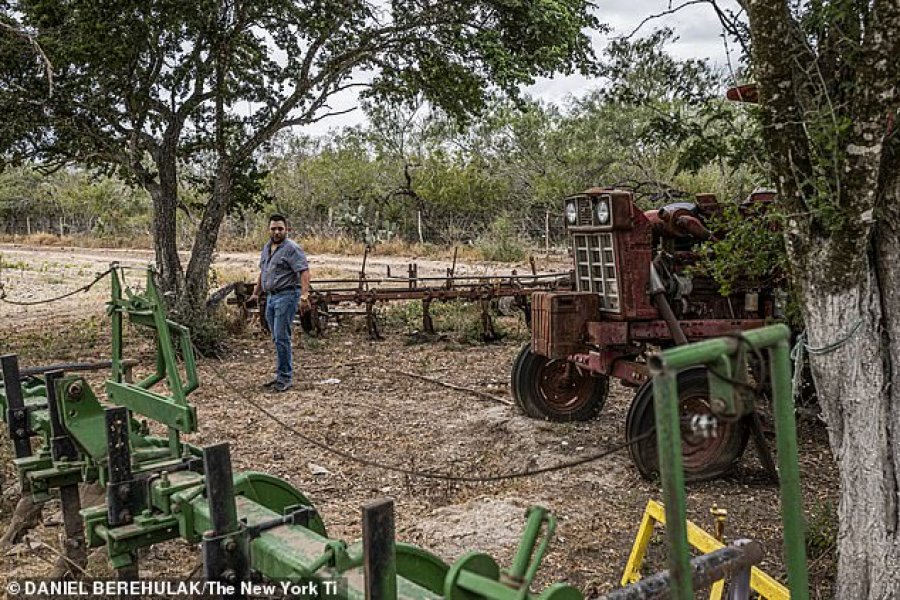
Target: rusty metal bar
(362, 283)
(16, 417)
(121, 492)
(740, 582)
(221, 559)
(379, 553)
(427, 322)
(665, 311)
(418, 294)
(372, 321)
(75, 549)
(726, 562)
(455, 279)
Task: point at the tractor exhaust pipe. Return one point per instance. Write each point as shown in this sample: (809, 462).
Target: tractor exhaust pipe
(658, 294)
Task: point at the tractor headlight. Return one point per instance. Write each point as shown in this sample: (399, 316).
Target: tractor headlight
(603, 211)
(571, 213)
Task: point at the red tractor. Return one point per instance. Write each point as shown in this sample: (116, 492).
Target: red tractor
(636, 292)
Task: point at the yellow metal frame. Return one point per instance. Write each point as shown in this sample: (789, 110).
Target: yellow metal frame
(760, 582)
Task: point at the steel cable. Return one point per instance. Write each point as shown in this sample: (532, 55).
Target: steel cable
(83, 288)
(436, 474)
(801, 347)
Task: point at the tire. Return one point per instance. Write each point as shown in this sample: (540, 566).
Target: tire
(555, 391)
(307, 323)
(513, 372)
(702, 458)
(263, 324)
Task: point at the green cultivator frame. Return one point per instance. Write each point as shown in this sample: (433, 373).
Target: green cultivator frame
(254, 527)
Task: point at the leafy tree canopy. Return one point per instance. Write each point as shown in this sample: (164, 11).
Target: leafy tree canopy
(144, 88)
(233, 73)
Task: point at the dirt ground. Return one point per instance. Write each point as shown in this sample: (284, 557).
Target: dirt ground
(351, 395)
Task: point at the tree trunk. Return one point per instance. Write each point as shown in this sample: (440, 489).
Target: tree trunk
(851, 365)
(547, 232)
(841, 184)
(419, 226)
(197, 276)
(165, 240)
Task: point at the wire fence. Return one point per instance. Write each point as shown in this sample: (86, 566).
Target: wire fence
(53, 310)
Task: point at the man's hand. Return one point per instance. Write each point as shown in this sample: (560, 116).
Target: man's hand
(305, 304)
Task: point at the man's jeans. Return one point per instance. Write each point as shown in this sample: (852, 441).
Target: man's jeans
(280, 311)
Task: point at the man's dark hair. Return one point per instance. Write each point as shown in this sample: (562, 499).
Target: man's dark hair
(278, 217)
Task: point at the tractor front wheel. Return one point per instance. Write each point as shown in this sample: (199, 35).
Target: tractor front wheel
(702, 457)
(556, 390)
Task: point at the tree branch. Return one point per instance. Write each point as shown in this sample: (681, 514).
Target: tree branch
(665, 13)
(48, 66)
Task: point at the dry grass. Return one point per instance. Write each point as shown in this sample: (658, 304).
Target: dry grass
(346, 246)
(223, 275)
(81, 241)
(314, 244)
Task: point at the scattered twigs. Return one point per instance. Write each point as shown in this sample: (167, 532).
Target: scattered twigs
(453, 386)
(337, 366)
(63, 563)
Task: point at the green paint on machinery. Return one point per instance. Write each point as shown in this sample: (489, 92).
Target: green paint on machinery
(731, 396)
(254, 526)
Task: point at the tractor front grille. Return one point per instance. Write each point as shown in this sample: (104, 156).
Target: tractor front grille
(585, 210)
(595, 268)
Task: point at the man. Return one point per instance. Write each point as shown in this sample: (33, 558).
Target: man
(284, 276)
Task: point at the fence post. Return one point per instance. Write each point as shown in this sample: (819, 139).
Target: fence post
(419, 226)
(547, 232)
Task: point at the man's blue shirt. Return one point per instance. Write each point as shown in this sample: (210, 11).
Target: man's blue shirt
(281, 269)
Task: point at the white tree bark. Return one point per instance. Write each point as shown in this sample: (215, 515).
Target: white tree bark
(842, 186)
(852, 366)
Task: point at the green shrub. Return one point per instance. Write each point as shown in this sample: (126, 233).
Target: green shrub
(458, 321)
(821, 530)
(501, 242)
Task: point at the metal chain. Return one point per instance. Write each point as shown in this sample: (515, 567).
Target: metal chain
(436, 474)
(83, 288)
(800, 347)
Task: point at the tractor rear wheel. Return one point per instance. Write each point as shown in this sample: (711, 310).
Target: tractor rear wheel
(556, 390)
(702, 457)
